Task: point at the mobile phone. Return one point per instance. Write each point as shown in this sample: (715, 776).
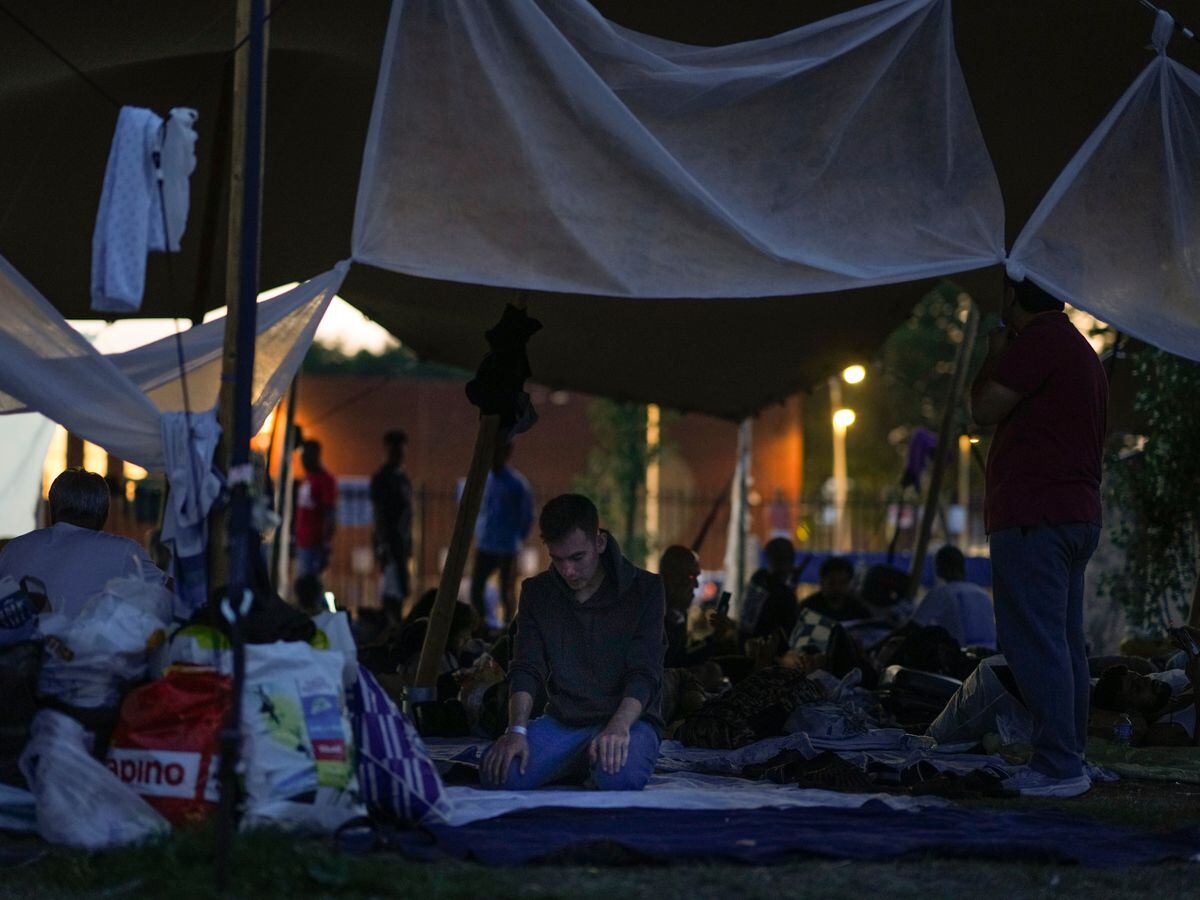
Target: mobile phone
(723, 604)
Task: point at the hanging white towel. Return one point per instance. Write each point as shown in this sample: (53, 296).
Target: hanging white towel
(178, 161)
(129, 223)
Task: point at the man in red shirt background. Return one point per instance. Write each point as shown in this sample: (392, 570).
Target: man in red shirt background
(316, 513)
(1044, 389)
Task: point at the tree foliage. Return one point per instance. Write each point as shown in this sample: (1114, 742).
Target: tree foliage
(394, 362)
(615, 477)
(1154, 490)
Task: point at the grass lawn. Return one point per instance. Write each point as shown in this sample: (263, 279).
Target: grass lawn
(276, 865)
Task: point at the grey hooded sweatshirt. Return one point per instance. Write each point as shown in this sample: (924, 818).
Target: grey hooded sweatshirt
(590, 656)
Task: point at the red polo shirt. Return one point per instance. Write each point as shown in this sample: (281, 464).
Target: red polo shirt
(1044, 464)
(316, 500)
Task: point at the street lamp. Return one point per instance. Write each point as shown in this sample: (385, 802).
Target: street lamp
(842, 419)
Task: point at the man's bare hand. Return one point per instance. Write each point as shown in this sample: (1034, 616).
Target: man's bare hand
(610, 749)
(507, 749)
(721, 625)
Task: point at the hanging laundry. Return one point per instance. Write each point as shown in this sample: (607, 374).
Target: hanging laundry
(135, 217)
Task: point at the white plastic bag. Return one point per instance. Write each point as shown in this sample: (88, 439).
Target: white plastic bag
(336, 628)
(81, 803)
(298, 744)
(108, 644)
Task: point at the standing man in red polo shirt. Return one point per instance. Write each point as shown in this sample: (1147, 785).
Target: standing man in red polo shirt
(316, 513)
(1044, 389)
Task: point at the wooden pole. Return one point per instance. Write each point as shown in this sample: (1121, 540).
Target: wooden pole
(218, 526)
(440, 618)
(961, 364)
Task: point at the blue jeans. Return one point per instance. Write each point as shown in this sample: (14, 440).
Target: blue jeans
(559, 752)
(311, 561)
(1037, 578)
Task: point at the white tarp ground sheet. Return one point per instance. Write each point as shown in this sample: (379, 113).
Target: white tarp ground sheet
(839, 155)
(676, 790)
(1118, 234)
(22, 453)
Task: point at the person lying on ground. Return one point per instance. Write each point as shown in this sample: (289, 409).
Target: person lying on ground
(590, 631)
(1162, 706)
(73, 557)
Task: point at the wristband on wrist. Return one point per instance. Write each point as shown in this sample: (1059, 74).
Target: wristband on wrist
(516, 729)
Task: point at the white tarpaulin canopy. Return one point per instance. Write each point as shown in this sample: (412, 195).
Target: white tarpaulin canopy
(119, 401)
(1119, 232)
(534, 144)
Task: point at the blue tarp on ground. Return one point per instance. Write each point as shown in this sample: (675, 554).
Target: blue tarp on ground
(872, 832)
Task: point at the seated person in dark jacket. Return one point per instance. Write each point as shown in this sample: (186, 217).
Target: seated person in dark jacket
(590, 630)
(770, 603)
(680, 571)
(836, 599)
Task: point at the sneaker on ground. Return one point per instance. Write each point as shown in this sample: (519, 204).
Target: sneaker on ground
(1031, 783)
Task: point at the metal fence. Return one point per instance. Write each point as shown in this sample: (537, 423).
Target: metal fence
(355, 579)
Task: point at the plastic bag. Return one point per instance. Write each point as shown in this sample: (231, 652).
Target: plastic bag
(981, 706)
(20, 604)
(107, 645)
(336, 628)
(80, 803)
(166, 743)
(298, 745)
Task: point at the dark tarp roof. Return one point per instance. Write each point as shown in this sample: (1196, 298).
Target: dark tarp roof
(1041, 75)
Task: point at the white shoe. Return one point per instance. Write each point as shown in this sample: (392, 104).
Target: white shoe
(1031, 783)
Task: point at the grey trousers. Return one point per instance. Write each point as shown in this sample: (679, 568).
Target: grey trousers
(1037, 580)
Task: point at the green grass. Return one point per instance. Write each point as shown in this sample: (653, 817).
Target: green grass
(271, 865)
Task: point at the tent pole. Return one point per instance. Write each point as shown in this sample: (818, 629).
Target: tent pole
(961, 364)
(440, 618)
(237, 376)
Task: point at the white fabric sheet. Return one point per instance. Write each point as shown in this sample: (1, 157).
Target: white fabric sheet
(842, 154)
(22, 455)
(1118, 234)
(47, 366)
(677, 790)
(117, 401)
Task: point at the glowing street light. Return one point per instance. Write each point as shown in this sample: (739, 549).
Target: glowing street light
(854, 374)
(843, 418)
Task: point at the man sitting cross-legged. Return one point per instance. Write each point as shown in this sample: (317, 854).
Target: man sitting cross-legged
(590, 631)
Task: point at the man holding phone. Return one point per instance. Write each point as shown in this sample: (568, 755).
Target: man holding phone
(590, 631)
(1044, 389)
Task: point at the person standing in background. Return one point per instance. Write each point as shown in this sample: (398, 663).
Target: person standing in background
(1044, 389)
(392, 509)
(316, 513)
(505, 519)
